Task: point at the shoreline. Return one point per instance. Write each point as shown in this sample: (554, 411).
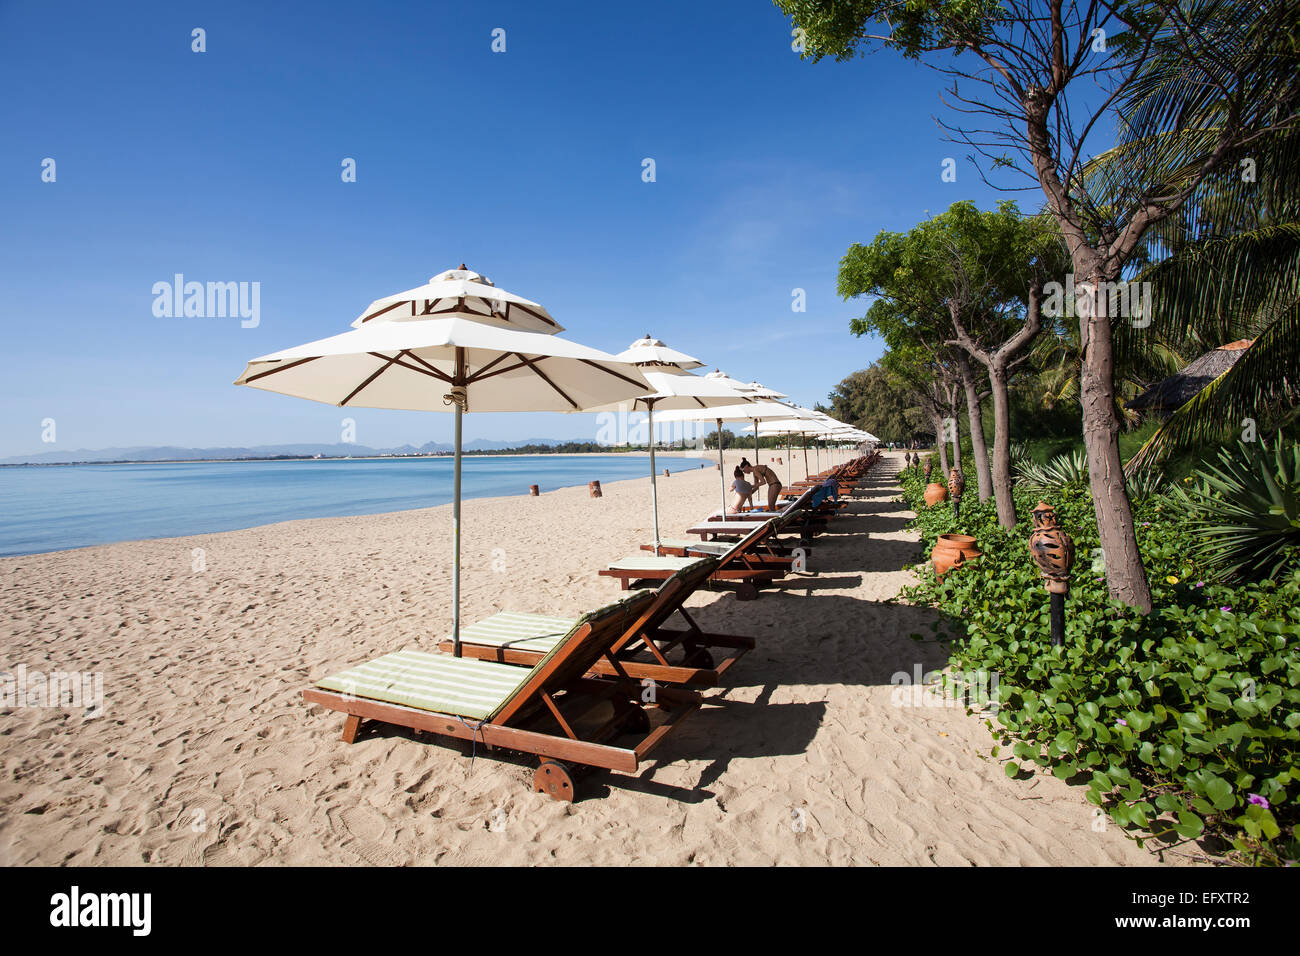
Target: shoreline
(708, 467)
(675, 452)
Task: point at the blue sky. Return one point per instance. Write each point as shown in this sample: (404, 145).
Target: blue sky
(526, 165)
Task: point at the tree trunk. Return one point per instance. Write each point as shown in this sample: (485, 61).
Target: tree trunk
(976, 418)
(942, 444)
(1002, 446)
(956, 443)
(1125, 576)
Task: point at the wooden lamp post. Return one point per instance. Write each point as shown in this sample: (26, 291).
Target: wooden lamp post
(956, 486)
(1053, 552)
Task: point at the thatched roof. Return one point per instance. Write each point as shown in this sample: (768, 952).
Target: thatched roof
(1167, 396)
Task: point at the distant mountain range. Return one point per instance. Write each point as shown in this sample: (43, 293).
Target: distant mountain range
(338, 450)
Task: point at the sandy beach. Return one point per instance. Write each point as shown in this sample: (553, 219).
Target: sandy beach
(206, 753)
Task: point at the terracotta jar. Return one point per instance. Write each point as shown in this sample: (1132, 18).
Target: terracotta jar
(952, 551)
(935, 493)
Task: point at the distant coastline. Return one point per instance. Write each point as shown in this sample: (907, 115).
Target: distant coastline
(481, 453)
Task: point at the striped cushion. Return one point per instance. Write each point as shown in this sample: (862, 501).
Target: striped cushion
(436, 682)
(727, 527)
(523, 632)
(652, 563)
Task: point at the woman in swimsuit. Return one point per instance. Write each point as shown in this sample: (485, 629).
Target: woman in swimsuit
(743, 489)
(761, 475)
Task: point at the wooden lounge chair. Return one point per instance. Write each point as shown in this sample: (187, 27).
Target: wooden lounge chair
(738, 564)
(644, 649)
(550, 709)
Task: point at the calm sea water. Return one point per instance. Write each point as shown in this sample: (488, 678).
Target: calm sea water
(53, 508)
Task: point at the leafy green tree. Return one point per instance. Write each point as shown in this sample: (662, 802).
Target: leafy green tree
(876, 401)
(972, 280)
(1036, 81)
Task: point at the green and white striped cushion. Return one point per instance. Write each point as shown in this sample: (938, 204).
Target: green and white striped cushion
(677, 542)
(436, 682)
(521, 632)
(650, 562)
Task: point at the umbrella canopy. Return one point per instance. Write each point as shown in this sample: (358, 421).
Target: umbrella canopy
(1165, 397)
(465, 294)
(650, 354)
(762, 391)
(755, 412)
(444, 353)
(673, 388)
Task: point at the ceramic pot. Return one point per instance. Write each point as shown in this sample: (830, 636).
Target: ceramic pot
(952, 551)
(935, 493)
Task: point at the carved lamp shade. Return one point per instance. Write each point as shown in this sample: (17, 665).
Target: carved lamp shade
(1052, 549)
(956, 483)
(929, 466)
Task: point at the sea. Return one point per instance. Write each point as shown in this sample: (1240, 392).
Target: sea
(55, 507)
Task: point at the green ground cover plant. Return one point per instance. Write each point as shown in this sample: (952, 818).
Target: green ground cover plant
(1183, 724)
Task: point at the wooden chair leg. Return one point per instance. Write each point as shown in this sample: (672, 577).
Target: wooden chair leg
(351, 727)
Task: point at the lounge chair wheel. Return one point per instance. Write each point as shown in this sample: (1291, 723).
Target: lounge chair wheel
(746, 592)
(553, 779)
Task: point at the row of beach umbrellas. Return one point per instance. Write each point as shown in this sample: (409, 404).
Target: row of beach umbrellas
(460, 344)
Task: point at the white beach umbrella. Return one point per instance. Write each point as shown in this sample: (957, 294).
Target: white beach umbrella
(755, 412)
(808, 422)
(461, 348)
(651, 355)
(673, 388)
(461, 293)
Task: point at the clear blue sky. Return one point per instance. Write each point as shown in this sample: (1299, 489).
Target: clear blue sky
(526, 165)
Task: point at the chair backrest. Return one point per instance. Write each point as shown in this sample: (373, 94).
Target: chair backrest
(669, 596)
(793, 508)
(745, 544)
(591, 637)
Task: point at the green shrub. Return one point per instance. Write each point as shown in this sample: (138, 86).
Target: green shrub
(1183, 723)
(1245, 513)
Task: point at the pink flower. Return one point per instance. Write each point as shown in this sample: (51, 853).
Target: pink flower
(1257, 800)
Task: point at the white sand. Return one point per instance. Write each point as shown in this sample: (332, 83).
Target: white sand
(207, 753)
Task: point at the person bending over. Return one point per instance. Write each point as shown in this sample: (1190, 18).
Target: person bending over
(743, 489)
(761, 476)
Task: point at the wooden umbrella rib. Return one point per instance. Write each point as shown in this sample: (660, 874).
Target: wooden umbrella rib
(532, 364)
(281, 368)
(388, 363)
(534, 314)
(427, 370)
(501, 371)
(375, 315)
(479, 374)
(432, 370)
(610, 371)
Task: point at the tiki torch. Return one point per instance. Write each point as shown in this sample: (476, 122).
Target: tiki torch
(1053, 552)
(956, 485)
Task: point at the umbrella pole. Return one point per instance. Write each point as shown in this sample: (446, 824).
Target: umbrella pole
(756, 461)
(460, 398)
(455, 534)
(789, 445)
(722, 476)
(654, 489)
(803, 440)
